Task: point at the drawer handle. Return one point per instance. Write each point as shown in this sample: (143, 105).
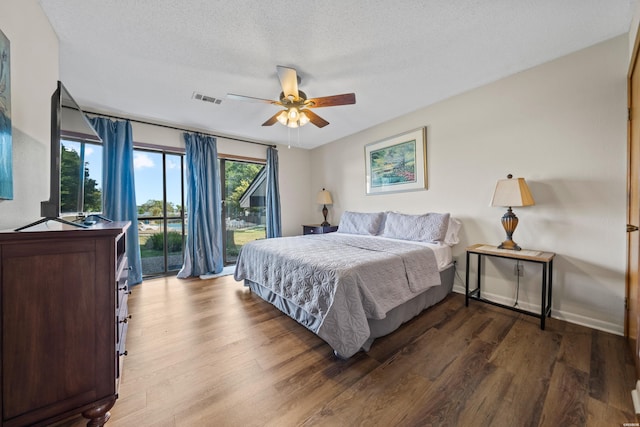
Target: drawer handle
(126, 319)
(124, 288)
(125, 353)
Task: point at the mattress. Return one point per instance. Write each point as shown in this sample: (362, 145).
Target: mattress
(442, 252)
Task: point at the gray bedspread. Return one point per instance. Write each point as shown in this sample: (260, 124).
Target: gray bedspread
(341, 280)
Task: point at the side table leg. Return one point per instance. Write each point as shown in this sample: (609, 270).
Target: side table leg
(549, 299)
(466, 284)
(479, 273)
(543, 308)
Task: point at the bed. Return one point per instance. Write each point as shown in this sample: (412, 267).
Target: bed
(350, 287)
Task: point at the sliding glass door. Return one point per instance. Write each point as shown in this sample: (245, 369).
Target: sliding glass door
(159, 180)
(244, 190)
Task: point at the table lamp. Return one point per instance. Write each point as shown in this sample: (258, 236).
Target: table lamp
(508, 193)
(324, 198)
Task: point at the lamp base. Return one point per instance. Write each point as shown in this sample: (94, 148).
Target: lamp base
(509, 222)
(325, 211)
(509, 244)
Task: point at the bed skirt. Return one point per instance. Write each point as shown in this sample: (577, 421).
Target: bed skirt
(378, 327)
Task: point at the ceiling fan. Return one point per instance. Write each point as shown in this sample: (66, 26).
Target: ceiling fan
(295, 102)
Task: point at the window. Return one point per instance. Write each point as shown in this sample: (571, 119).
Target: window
(80, 177)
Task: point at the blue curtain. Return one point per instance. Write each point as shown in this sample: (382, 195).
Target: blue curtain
(118, 185)
(203, 251)
(274, 223)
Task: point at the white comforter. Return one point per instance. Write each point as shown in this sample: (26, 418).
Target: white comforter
(341, 280)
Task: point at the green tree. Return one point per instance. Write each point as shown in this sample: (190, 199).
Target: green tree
(151, 208)
(70, 169)
(155, 208)
(92, 194)
(238, 177)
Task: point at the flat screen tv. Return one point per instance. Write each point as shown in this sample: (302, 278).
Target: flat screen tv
(66, 117)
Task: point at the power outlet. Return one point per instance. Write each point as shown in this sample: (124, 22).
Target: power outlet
(518, 270)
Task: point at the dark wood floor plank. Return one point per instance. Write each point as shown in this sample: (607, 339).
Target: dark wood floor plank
(609, 361)
(443, 403)
(576, 342)
(480, 408)
(530, 354)
(600, 414)
(566, 402)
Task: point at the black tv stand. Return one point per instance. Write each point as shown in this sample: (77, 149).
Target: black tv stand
(100, 217)
(43, 220)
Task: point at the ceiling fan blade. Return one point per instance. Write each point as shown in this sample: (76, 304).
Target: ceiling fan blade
(289, 81)
(272, 119)
(315, 119)
(251, 99)
(330, 101)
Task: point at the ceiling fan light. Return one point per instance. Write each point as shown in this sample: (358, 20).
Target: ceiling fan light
(303, 119)
(282, 117)
(293, 114)
(292, 124)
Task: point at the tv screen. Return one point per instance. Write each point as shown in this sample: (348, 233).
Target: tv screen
(66, 117)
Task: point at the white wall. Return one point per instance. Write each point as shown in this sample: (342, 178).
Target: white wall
(34, 73)
(562, 126)
(633, 27)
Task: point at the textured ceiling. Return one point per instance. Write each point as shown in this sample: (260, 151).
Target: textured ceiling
(145, 58)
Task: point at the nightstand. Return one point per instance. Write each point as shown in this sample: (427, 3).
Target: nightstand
(318, 229)
(545, 259)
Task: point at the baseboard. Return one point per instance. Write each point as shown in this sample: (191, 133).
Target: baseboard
(226, 271)
(556, 314)
(635, 397)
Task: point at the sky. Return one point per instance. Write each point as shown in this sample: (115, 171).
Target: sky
(147, 169)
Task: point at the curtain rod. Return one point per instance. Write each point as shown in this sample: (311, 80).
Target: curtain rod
(177, 128)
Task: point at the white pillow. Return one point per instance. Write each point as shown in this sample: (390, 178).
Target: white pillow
(360, 223)
(430, 227)
(452, 232)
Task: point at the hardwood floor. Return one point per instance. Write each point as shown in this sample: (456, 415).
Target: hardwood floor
(209, 352)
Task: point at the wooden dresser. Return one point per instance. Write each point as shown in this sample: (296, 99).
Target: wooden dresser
(64, 319)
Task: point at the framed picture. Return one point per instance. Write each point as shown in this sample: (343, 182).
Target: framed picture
(6, 157)
(398, 163)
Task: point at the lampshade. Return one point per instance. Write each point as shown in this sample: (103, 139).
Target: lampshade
(512, 192)
(324, 198)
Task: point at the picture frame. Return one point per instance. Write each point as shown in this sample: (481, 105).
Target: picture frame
(6, 150)
(397, 163)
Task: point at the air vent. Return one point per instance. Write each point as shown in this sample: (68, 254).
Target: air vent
(206, 98)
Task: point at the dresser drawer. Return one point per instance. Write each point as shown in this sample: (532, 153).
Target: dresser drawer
(123, 320)
(123, 325)
(122, 286)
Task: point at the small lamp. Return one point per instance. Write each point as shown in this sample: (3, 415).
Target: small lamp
(324, 198)
(508, 193)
